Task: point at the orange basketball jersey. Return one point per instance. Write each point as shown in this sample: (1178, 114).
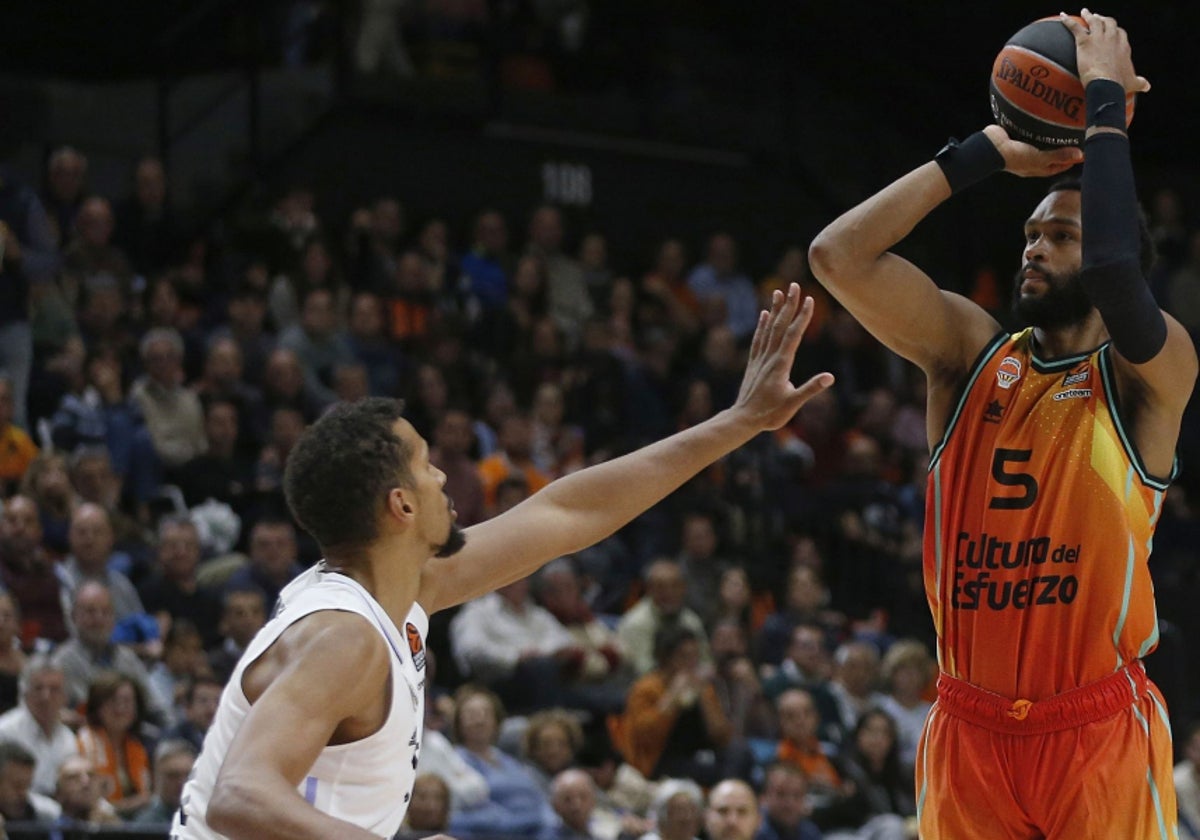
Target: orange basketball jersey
(1039, 521)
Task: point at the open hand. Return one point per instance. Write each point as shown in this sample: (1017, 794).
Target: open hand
(1102, 51)
(767, 394)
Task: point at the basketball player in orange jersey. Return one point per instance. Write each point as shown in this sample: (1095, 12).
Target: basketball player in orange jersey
(1051, 452)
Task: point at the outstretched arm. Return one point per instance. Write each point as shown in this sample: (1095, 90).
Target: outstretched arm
(582, 508)
(895, 300)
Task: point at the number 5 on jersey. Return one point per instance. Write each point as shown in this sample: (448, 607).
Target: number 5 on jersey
(1004, 474)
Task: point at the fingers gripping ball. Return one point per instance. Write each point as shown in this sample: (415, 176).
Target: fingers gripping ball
(1035, 89)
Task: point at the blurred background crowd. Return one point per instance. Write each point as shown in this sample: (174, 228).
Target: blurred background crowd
(168, 330)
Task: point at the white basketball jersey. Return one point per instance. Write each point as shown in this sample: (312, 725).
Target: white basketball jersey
(367, 782)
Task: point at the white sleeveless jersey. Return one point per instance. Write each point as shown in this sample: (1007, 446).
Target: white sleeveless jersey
(367, 782)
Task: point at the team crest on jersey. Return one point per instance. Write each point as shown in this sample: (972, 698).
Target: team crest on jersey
(1008, 372)
(414, 645)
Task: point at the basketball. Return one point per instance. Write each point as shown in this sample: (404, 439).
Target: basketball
(1035, 90)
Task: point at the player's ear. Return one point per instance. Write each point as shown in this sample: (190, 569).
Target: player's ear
(398, 503)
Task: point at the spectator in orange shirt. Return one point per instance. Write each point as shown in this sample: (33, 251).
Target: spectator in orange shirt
(515, 456)
(17, 449)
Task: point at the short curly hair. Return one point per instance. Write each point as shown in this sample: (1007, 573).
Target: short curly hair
(341, 469)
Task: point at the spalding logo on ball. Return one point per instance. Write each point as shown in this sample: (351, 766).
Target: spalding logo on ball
(1035, 89)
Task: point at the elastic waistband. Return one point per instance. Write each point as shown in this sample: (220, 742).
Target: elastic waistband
(1094, 701)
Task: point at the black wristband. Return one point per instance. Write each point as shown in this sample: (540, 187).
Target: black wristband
(1105, 104)
(968, 162)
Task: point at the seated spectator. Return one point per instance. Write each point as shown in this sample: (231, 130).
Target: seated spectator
(272, 559)
(200, 699)
(247, 312)
(429, 808)
(785, 808)
(663, 605)
(28, 572)
(880, 792)
(18, 801)
(559, 588)
(92, 649)
(732, 812)
(17, 449)
(171, 411)
(284, 385)
(48, 484)
(1187, 784)
(799, 722)
(468, 789)
(737, 684)
(623, 795)
(173, 591)
(183, 660)
(855, 673)
(366, 337)
(700, 564)
(805, 603)
(515, 647)
(147, 228)
(908, 668)
(513, 457)
(91, 543)
(558, 446)
(94, 480)
(806, 666)
(223, 472)
(109, 740)
(79, 792)
(573, 796)
(737, 602)
(678, 811)
(243, 613)
(551, 740)
(317, 344)
(673, 722)
(173, 760)
(452, 440)
(12, 658)
(36, 724)
(726, 295)
(95, 413)
(222, 380)
(516, 805)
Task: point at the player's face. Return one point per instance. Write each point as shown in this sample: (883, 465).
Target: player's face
(1048, 291)
(436, 509)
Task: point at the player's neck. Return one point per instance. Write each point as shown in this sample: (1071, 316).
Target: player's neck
(390, 570)
(1071, 340)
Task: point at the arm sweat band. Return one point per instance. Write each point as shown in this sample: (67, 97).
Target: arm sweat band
(1112, 273)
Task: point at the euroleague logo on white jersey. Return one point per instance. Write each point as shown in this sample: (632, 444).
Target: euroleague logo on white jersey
(414, 645)
(1008, 372)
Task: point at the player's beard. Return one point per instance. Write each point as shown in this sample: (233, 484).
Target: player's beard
(454, 543)
(1064, 303)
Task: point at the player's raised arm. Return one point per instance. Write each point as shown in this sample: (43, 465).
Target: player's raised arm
(579, 509)
(1153, 349)
(895, 300)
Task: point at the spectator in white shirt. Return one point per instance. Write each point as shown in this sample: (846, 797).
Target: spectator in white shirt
(507, 642)
(36, 725)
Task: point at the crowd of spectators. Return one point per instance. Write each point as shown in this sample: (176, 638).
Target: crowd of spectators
(764, 629)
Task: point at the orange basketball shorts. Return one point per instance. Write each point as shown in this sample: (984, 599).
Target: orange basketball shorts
(1093, 762)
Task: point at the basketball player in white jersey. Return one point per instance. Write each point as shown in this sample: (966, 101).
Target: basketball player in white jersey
(319, 729)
